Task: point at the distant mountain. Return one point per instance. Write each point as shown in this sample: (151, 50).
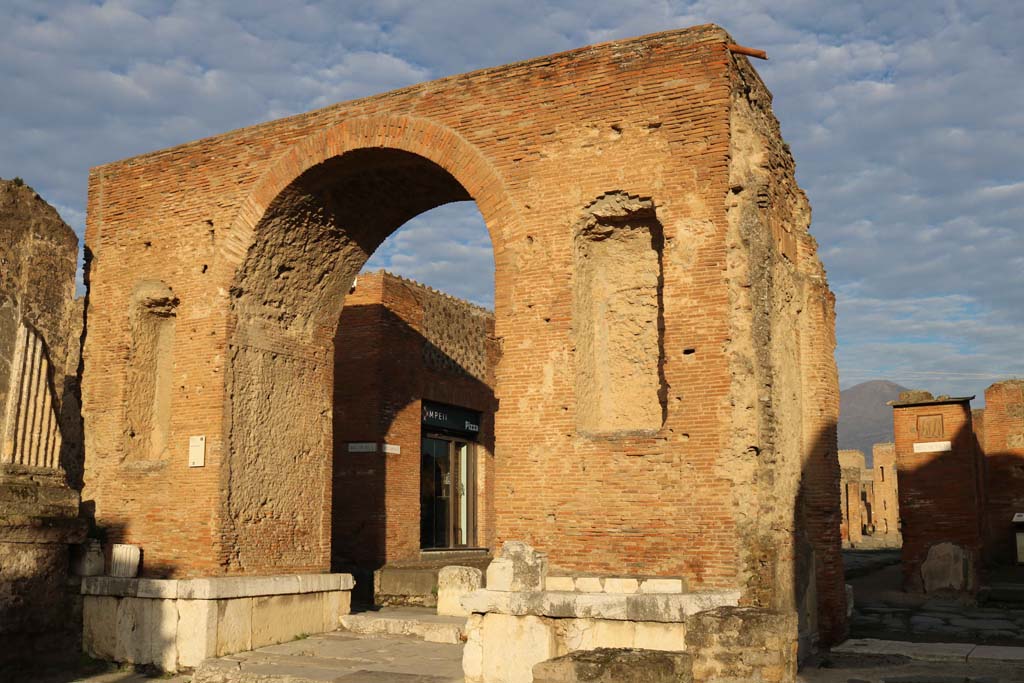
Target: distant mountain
(864, 417)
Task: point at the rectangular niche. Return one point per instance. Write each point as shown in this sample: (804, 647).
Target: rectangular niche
(150, 368)
(618, 317)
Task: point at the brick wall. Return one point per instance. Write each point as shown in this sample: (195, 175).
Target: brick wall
(399, 343)
(1002, 439)
(260, 232)
(939, 495)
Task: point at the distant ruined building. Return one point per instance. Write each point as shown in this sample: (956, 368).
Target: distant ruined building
(869, 499)
(961, 483)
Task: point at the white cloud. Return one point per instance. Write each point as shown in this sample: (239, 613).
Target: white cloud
(906, 120)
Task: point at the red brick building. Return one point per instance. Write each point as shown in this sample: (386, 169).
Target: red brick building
(413, 424)
(1001, 435)
(941, 492)
(667, 384)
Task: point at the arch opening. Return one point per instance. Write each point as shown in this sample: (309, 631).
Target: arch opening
(318, 391)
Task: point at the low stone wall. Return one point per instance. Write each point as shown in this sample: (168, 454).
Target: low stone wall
(176, 624)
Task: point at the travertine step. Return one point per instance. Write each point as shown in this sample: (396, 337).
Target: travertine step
(417, 622)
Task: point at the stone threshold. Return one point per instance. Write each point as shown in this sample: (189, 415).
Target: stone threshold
(933, 652)
(651, 607)
(217, 588)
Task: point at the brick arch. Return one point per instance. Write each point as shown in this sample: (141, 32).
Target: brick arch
(428, 139)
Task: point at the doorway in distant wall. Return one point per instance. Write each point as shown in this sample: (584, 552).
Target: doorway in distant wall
(448, 477)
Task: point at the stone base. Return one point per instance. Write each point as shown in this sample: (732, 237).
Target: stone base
(616, 666)
(38, 523)
(176, 624)
(723, 644)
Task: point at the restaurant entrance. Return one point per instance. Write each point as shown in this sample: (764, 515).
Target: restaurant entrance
(448, 477)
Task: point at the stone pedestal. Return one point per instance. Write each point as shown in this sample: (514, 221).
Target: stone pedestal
(38, 522)
(176, 624)
(528, 615)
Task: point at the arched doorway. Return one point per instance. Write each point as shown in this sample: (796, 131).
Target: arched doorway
(304, 254)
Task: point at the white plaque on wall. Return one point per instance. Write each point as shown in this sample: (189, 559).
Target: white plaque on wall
(196, 451)
(362, 447)
(393, 448)
(933, 447)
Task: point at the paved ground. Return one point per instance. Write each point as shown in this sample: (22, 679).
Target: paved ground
(883, 610)
(347, 658)
(836, 668)
(860, 562)
(340, 657)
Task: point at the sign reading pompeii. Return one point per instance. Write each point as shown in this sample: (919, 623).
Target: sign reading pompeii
(452, 418)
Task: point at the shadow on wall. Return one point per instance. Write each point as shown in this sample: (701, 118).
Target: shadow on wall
(384, 367)
(819, 589)
(1004, 487)
(942, 505)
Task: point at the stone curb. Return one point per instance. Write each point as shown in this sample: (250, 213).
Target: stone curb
(218, 588)
(933, 652)
(658, 607)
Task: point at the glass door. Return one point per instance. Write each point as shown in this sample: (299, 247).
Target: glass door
(435, 489)
(447, 493)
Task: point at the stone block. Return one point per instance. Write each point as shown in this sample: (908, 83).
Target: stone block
(234, 625)
(661, 586)
(517, 567)
(589, 584)
(500, 574)
(614, 634)
(513, 645)
(453, 583)
(162, 627)
(418, 583)
(99, 626)
(332, 601)
(473, 651)
(600, 606)
(132, 640)
(559, 583)
(484, 601)
(607, 665)
(279, 618)
(657, 636)
(949, 568)
(225, 587)
(616, 585)
(197, 631)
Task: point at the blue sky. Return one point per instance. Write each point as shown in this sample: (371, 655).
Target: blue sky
(906, 120)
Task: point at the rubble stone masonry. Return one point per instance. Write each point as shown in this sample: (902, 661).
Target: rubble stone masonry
(717, 465)
(40, 427)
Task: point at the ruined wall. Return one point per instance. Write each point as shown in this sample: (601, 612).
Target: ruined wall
(37, 299)
(869, 503)
(851, 476)
(400, 343)
(260, 232)
(886, 512)
(784, 397)
(1002, 440)
(40, 427)
(938, 468)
